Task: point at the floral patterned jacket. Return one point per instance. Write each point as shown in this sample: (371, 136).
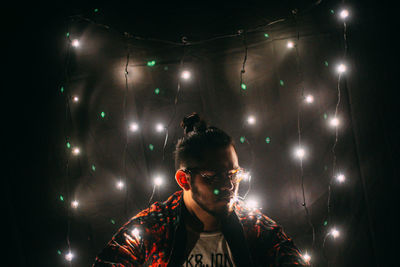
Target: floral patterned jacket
(156, 237)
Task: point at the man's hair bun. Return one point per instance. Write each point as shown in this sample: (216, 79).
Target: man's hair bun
(193, 122)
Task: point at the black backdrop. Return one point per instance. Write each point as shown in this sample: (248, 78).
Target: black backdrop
(36, 220)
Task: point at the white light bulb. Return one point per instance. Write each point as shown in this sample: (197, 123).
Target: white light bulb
(251, 120)
(309, 99)
(252, 204)
(158, 181)
(135, 233)
(133, 127)
(341, 178)
(69, 256)
(290, 44)
(75, 99)
(120, 185)
(334, 233)
(341, 68)
(75, 204)
(159, 127)
(300, 152)
(344, 13)
(75, 43)
(306, 257)
(76, 151)
(335, 122)
(185, 75)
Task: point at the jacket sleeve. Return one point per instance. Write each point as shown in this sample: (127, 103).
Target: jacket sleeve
(126, 249)
(280, 249)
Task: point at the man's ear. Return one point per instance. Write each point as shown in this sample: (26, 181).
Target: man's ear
(182, 179)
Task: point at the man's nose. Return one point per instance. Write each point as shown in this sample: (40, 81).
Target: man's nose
(227, 184)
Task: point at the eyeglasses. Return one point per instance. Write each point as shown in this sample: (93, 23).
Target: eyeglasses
(214, 177)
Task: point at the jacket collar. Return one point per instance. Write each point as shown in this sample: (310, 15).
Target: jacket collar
(232, 230)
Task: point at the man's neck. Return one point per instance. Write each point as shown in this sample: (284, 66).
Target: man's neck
(198, 219)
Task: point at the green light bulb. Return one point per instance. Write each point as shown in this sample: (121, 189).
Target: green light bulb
(61, 198)
(244, 87)
(242, 139)
(268, 140)
(216, 192)
(62, 89)
(68, 145)
(67, 34)
(325, 116)
(157, 91)
(332, 11)
(151, 147)
(102, 114)
(93, 167)
(281, 83)
(326, 63)
(266, 35)
(112, 221)
(96, 10)
(58, 252)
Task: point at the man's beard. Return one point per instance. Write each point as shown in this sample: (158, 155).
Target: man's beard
(221, 213)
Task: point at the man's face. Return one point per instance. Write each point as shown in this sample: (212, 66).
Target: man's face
(215, 197)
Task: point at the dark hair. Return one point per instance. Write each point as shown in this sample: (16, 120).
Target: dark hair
(198, 138)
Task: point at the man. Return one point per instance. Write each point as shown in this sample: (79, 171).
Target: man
(204, 224)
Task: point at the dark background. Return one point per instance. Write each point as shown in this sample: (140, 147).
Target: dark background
(35, 126)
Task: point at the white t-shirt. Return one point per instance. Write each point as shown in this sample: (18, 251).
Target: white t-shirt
(211, 250)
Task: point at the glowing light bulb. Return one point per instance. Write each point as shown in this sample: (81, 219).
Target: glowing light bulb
(69, 256)
(75, 43)
(306, 257)
(290, 44)
(185, 75)
(341, 178)
(75, 99)
(76, 151)
(335, 122)
(133, 127)
(159, 127)
(252, 204)
(245, 176)
(251, 120)
(309, 99)
(135, 233)
(120, 185)
(75, 204)
(300, 152)
(334, 233)
(344, 13)
(341, 68)
(158, 181)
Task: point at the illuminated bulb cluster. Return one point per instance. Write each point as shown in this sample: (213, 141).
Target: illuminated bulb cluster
(185, 75)
(334, 233)
(75, 204)
(309, 99)
(334, 122)
(300, 153)
(251, 204)
(344, 13)
(341, 178)
(120, 185)
(136, 233)
(159, 127)
(69, 256)
(76, 151)
(307, 257)
(75, 43)
(341, 68)
(158, 181)
(251, 120)
(133, 127)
